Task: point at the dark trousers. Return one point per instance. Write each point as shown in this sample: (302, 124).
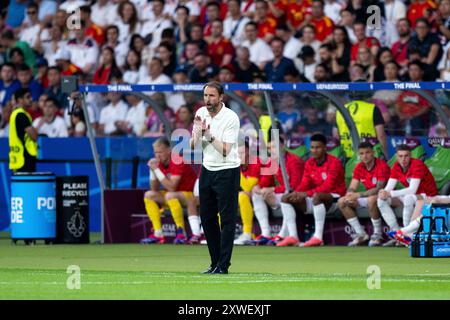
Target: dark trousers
(219, 192)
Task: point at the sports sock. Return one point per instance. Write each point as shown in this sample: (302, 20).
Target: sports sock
(388, 214)
(177, 212)
(376, 226)
(408, 208)
(319, 220)
(153, 213)
(246, 208)
(289, 215)
(194, 223)
(262, 214)
(412, 227)
(354, 222)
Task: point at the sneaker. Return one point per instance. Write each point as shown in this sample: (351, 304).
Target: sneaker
(391, 234)
(243, 240)
(194, 239)
(288, 241)
(313, 242)
(390, 243)
(180, 237)
(153, 239)
(358, 240)
(402, 238)
(203, 241)
(375, 240)
(274, 241)
(260, 240)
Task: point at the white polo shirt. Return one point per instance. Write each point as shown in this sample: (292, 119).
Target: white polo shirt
(224, 126)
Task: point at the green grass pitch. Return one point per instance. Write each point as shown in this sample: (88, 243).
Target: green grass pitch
(133, 271)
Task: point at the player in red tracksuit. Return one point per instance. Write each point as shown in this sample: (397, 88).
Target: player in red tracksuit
(417, 179)
(250, 176)
(322, 185)
(373, 173)
(270, 190)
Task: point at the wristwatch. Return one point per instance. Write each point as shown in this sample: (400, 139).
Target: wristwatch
(211, 139)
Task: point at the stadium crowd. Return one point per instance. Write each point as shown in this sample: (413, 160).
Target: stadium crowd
(194, 41)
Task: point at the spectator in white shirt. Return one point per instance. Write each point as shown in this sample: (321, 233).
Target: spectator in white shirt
(234, 24)
(155, 75)
(152, 29)
(347, 20)
(134, 122)
(128, 22)
(292, 45)
(50, 124)
(112, 40)
(83, 51)
(309, 39)
(133, 68)
(110, 115)
(332, 9)
(260, 52)
(104, 13)
(30, 29)
(50, 47)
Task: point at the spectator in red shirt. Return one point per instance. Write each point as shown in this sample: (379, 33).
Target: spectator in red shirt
(417, 179)
(220, 50)
(412, 109)
(266, 23)
(400, 48)
(102, 74)
(213, 14)
(270, 190)
(418, 9)
(373, 173)
(363, 41)
(296, 13)
(322, 185)
(92, 30)
(324, 25)
(178, 179)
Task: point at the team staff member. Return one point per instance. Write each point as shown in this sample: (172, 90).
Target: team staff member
(177, 178)
(322, 185)
(417, 179)
(22, 135)
(368, 120)
(216, 128)
(373, 173)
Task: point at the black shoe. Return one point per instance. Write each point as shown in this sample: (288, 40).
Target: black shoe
(219, 270)
(209, 270)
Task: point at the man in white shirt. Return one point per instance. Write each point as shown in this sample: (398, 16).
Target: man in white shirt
(216, 129)
(260, 52)
(234, 24)
(332, 9)
(135, 119)
(83, 51)
(156, 76)
(115, 111)
(104, 13)
(50, 124)
(292, 45)
(30, 29)
(154, 27)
